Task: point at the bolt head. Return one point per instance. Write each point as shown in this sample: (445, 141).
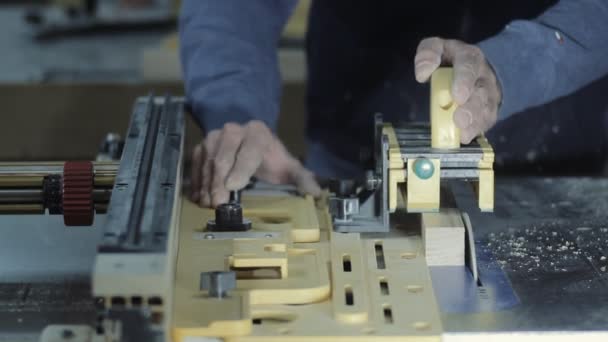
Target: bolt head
(424, 168)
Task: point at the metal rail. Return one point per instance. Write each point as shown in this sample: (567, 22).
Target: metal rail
(143, 196)
(16, 175)
(30, 196)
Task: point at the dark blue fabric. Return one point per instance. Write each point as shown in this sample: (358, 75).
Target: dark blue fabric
(538, 61)
(229, 60)
(360, 62)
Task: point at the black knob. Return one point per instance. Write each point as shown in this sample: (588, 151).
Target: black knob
(229, 218)
(228, 214)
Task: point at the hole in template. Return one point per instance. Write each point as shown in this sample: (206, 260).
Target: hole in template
(388, 314)
(349, 298)
(346, 264)
(384, 290)
(380, 263)
(257, 273)
(118, 301)
(136, 301)
(273, 317)
(155, 301)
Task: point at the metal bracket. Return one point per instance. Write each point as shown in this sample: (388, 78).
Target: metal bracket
(370, 212)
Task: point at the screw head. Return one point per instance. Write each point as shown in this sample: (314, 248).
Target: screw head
(424, 168)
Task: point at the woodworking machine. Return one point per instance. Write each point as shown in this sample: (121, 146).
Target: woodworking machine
(386, 257)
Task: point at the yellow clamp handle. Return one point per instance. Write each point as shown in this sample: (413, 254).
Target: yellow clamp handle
(444, 133)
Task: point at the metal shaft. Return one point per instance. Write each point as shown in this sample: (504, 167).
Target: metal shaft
(28, 196)
(29, 175)
(45, 168)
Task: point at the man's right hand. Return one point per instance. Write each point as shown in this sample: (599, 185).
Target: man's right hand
(475, 88)
(227, 158)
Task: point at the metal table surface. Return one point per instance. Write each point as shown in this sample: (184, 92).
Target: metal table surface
(549, 234)
(551, 237)
(44, 274)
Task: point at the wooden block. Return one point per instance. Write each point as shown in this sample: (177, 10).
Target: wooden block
(443, 236)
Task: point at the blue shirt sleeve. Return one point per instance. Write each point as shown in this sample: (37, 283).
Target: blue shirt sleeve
(559, 52)
(229, 59)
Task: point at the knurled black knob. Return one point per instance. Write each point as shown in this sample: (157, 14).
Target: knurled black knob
(228, 214)
(229, 218)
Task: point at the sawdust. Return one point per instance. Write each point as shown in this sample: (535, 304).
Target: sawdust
(546, 248)
(550, 234)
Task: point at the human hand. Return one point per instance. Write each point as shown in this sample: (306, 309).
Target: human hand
(475, 88)
(227, 158)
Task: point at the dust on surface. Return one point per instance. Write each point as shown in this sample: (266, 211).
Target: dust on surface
(550, 233)
(548, 248)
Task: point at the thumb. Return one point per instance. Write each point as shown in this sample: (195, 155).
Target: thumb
(428, 58)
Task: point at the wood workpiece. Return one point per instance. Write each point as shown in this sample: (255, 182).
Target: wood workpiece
(443, 237)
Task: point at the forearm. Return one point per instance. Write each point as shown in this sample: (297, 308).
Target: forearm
(229, 60)
(559, 52)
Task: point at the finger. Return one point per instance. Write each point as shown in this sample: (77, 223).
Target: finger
(471, 116)
(250, 156)
(489, 93)
(467, 63)
(195, 172)
(463, 117)
(428, 58)
(205, 192)
(210, 148)
(304, 180)
(228, 145)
